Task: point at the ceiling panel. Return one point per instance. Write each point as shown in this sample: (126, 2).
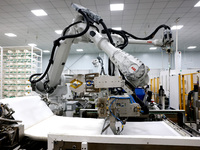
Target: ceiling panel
(142, 11)
(102, 2)
(131, 6)
(58, 4)
(175, 3)
(160, 5)
(45, 5)
(140, 17)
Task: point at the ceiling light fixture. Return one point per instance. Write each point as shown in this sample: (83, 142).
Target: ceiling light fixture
(117, 28)
(79, 50)
(197, 4)
(59, 31)
(46, 51)
(32, 44)
(153, 48)
(39, 12)
(116, 7)
(10, 34)
(176, 27)
(191, 47)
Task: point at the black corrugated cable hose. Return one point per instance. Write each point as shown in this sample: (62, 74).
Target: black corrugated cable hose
(56, 43)
(124, 34)
(142, 104)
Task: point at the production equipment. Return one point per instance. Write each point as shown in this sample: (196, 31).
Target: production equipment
(193, 107)
(119, 96)
(11, 133)
(126, 72)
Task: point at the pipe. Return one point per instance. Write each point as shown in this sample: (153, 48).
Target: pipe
(9, 120)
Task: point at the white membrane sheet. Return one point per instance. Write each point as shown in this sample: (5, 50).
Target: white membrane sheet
(154, 128)
(65, 125)
(29, 109)
(39, 121)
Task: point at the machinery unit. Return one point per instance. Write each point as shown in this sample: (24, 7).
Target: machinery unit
(126, 72)
(11, 133)
(71, 108)
(117, 101)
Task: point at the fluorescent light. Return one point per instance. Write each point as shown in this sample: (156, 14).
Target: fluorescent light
(46, 51)
(117, 28)
(79, 50)
(153, 48)
(59, 31)
(176, 27)
(32, 44)
(197, 4)
(10, 34)
(39, 12)
(116, 7)
(191, 47)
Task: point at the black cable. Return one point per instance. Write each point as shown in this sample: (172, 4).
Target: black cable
(102, 68)
(122, 46)
(47, 69)
(102, 71)
(67, 28)
(56, 43)
(123, 35)
(109, 67)
(113, 70)
(150, 36)
(79, 34)
(107, 32)
(141, 103)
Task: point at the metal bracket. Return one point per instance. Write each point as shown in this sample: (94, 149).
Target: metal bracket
(129, 91)
(84, 146)
(108, 81)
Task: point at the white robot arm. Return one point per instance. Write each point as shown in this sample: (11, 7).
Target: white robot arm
(132, 68)
(48, 81)
(83, 29)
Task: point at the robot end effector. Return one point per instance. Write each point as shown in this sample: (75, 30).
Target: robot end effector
(167, 41)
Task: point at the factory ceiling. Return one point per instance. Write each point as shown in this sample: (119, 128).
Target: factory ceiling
(139, 17)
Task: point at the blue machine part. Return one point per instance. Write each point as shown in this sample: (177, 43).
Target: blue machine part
(140, 93)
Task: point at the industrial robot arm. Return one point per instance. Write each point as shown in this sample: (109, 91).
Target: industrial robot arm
(83, 29)
(48, 81)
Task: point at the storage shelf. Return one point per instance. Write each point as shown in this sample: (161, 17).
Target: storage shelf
(19, 63)
(1, 72)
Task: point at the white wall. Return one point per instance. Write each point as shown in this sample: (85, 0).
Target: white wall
(75, 62)
(190, 60)
(154, 61)
(45, 61)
